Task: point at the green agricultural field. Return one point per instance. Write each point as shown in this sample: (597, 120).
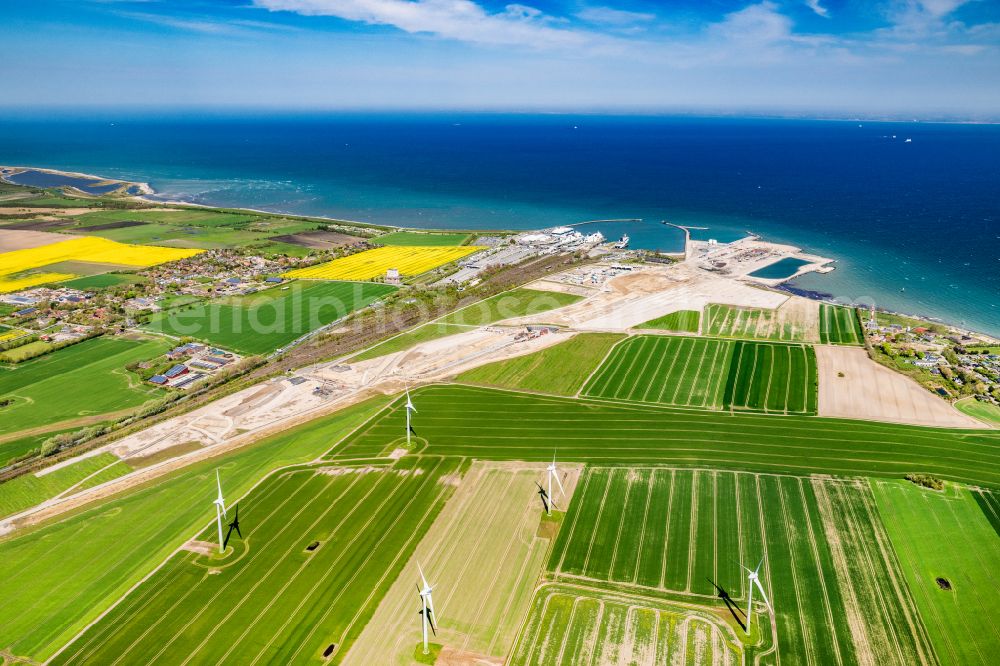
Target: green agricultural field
(791, 322)
(661, 530)
(83, 380)
(185, 217)
(986, 412)
(270, 319)
(25, 491)
(414, 238)
(682, 321)
(108, 547)
(103, 281)
(772, 378)
(568, 625)
(673, 371)
(945, 535)
(268, 597)
(484, 554)
(514, 303)
(506, 425)
(989, 502)
(560, 370)
(24, 352)
(839, 325)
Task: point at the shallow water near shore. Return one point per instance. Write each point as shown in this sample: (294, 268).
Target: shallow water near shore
(915, 227)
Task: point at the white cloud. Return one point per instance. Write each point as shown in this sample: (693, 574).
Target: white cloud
(461, 20)
(818, 8)
(754, 23)
(613, 17)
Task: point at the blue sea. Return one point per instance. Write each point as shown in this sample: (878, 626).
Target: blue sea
(914, 225)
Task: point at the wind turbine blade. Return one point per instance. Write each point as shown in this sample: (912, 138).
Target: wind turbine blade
(761, 588)
(749, 606)
(559, 483)
(759, 565)
(422, 578)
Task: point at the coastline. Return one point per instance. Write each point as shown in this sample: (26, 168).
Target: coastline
(816, 263)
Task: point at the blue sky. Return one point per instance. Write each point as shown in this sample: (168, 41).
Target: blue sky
(815, 57)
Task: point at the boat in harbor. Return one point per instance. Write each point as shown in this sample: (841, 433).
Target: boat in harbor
(622, 242)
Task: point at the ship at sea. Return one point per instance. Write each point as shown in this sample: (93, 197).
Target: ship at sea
(622, 242)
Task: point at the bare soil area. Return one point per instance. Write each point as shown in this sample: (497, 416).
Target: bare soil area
(650, 292)
(318, 240)
(867, 390)
(19, 239)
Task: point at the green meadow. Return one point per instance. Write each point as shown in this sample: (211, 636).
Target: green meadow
(682, 321)
(945, 535)
(416, 238)
(109, 546)
(25, 491)
(262, 322)
(559, 370)
(84, 380)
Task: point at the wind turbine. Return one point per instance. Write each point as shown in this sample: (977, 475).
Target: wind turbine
(754, 579)
(554, 474)
(427, 610)
(220, 511)
(409, 408)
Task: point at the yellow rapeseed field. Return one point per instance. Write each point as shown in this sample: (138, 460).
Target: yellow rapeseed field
(90, 249)
(10, 335)
(17, 284)
(374, 263)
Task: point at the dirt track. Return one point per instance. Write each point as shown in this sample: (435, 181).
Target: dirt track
(870, 391)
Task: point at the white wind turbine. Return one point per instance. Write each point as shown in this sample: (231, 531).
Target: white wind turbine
(220, 509)
(754, 579)
(554, 474)
(427, 610)
(410, 409)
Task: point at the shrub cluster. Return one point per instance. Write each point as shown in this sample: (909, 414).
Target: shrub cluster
(925, 480)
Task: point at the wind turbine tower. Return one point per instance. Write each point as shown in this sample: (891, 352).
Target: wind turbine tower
(754, 579)
(410, 409)
(553, 474)
(427, 609)
(220, 510)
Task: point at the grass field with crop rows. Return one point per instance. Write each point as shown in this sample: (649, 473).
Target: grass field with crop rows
(772, 378)
(374, 263)
(268, 598)
(689, 531)
(682, 321)
(484, 554)
(568, 625)
(792, 322)
(503, 425)
(559, 370)
(839, 325)
(668, 370)
(71, 569)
